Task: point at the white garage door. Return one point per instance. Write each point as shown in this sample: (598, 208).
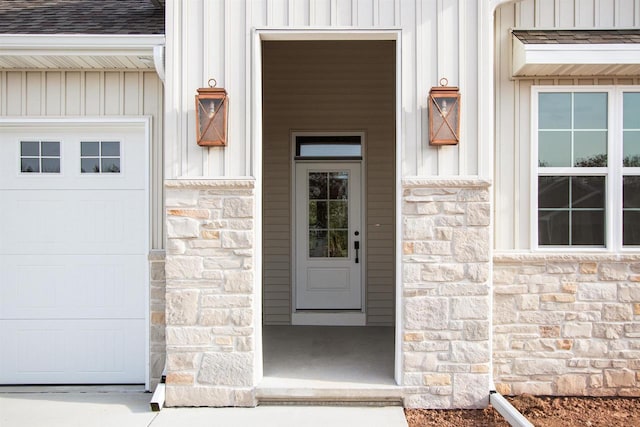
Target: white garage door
(73, 248)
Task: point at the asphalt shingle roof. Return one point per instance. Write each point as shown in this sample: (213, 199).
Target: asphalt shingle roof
(81, 17)
(578, 36)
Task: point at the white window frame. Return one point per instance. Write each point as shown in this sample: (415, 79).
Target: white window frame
(613, 172)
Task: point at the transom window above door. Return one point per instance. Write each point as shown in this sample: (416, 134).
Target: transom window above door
(587, 150)
(328, 147)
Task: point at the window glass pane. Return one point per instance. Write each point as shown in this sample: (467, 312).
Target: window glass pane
(29, 148)
(631, 110)
(587, 191)
(631, 192)
(590, 110)
(90, 165)
(30, 165)
(51, 165)
(590, 149)
(330, 150)
(631, 228)
(631, 150)
(338, 244)
(111, 149)
(587, 228)
(317, 185)
(89, 148)
(553, 228)
(50, 148)
(110, 165)
(554, 149)
(338, 214)
(553, 192)
(554, 111)
(318, 247)
(317, 214)
(338, 185)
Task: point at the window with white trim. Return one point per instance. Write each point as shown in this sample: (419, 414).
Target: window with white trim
(39, 156)
(100, 157)
(587, 149)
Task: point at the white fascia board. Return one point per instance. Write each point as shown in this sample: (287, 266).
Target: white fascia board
(527, 56)
(79, 44)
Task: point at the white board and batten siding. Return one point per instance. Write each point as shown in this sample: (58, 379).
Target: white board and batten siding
(214, 39)
(513, 99)
(74, 93)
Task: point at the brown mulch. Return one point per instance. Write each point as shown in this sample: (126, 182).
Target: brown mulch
(540, 411)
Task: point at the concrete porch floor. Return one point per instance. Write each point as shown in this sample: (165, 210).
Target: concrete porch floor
(329, 364)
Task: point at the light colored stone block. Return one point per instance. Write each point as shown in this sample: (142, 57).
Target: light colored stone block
(228, 369)
(470, 308)
(619, 378)
(617, 312)
(183, 267)
(424, 313)
(598, 292)
(182, 307)
(470, 352)
(613, 271)
(237, 239)
(198, 396)
(471, 245)
(181, 228)
(238, 207)
(470, 391)
(629, 292)
(238, 282)
(577, 330)
(442, 272)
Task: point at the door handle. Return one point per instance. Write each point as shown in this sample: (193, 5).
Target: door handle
(356, 246)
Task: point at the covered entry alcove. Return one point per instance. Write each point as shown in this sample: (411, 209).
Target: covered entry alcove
(328, 239)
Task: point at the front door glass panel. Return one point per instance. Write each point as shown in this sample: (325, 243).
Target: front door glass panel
(328, 222)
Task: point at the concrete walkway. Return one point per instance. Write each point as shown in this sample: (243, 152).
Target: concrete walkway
(89, 408)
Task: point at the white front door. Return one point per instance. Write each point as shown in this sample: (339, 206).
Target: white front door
(328, 236)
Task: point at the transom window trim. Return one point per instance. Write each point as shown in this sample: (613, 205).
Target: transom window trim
(613, 171)
(328, 145)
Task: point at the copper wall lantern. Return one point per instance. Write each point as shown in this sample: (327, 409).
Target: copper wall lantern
(211, 116)
(444, 114)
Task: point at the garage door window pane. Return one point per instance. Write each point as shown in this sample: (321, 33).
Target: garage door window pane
(39, 156)
(100, 157)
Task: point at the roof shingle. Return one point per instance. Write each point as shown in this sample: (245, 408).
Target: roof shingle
(578, 36)
(81, 17)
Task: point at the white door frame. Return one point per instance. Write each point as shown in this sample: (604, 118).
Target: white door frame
(142, 121)
(254, 99)
(333, 317)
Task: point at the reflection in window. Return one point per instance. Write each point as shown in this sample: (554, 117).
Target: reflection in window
(328, 214)
(40, 157)
(100, 157)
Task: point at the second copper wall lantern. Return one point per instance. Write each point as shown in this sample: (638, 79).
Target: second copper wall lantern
(444, 114)
(211, 116)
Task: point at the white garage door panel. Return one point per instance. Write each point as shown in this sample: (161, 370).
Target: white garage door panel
(37, 353)
(73, 258)
(72, 286)
(69, 222)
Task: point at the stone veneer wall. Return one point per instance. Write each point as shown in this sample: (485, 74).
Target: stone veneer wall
(567, 324)
(446, 263)
(210, 292)
(157, 344)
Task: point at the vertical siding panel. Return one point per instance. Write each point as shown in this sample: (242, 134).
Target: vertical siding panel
(299, 10)
(364, 16)
(14, 89)
(53, 93)
(34, 93)
(606, 13)
(427, 53)
(566, 12)
(448, 45)
(258, 12)
(344, 12)
(73, 93)
(625, 13)
(3, 91)
(112, 92)
(545, 14)
(505, 118)
(468, 86)
(92, 93)
(526, 12)
(193, 77)
(386, 13)
(152, 105)
(131, 93)
(411, 57)
(278, 13)
(320, 11)
(522, 174)
(236, 85)
(585, 13)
